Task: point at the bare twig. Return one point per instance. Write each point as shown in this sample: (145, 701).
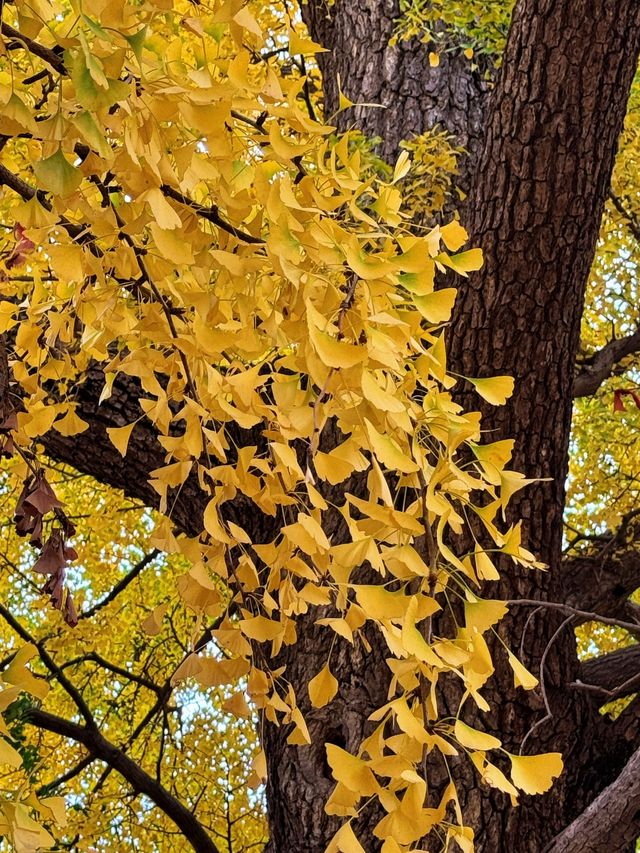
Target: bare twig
(121, 585)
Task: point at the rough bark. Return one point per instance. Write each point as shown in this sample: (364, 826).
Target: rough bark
(616, 674)
(611, 822)
(535, 208)
(93, 453)
(412, 96)
(602, 582)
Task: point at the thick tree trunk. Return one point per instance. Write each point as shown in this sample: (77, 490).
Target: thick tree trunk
(535, 208)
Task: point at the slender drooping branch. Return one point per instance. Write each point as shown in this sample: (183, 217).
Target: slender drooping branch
(580, 615)
(141, 782)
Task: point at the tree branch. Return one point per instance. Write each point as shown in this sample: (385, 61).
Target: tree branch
(50, 56)
(581, 615)
(612, 820)
(51, 665)
(603, 580)
(94, 657)
(121, 585)
(211, 214)
(140, 781)
(612, 675)
(632, 223)
(601, 364)
(47, 790)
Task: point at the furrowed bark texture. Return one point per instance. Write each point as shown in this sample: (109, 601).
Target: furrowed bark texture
(410, 96)
(612, 821)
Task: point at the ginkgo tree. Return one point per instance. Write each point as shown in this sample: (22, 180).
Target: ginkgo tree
(219, 298)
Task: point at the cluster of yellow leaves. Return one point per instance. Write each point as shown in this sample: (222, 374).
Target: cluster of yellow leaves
(478, 27)
(432, 180)
(603, 483)
(195, 228)
(16, 821)
(201, 750)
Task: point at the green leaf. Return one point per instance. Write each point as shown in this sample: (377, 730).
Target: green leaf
(57, 175)
(137, 41)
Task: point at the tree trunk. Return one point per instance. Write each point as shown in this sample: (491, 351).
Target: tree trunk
(409, 95)
(535, 207)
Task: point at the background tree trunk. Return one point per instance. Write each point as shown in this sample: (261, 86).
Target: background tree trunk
(412, 96)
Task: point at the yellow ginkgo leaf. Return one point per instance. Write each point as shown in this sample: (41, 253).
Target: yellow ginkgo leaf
(298, 45)
(56, 175)
(9, 755)
(436, 307)
(322, 687)
(351, 771)
(454, 235)
(434, 59)
(482, 614)
(463, 263)
(534, 774)
(521, 675)
(473, 739)
(495, 389)
(119, 437)
(388, 452)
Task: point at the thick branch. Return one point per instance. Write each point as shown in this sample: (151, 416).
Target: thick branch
(613, 675)
(602, 582)
(93, 453)
(601, 364)
(140, 781)
(611, 822)
(71, 690)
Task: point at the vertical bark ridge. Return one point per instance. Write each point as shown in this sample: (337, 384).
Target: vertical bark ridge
(412, 96)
